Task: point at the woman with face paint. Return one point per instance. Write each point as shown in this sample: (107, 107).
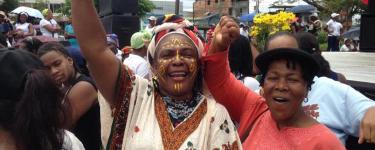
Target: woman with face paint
(170, 111)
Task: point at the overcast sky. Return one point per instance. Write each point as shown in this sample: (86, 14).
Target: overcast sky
(188, 5)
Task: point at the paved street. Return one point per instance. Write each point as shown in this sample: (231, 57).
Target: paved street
(356, 66)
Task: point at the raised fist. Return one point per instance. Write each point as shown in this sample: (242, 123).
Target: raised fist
(225, 33)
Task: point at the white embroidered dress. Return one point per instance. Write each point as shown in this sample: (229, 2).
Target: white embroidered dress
(148, 125)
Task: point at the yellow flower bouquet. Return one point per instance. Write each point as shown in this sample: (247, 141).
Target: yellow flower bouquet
(266, 24)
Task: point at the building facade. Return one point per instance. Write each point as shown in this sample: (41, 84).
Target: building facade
(162, 7)
(52, 4)
(234, 8)
(165, 7)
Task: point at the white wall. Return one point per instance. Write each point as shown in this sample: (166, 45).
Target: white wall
(166, 7)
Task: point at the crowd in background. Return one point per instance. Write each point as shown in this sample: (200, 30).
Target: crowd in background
(22, 27)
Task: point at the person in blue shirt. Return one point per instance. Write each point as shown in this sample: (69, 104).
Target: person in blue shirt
(70, 35)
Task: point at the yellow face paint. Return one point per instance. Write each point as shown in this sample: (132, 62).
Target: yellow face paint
(173, 52)
(172, 43)
(177, 87)
(163, 64)
(193, 67)
(161, 67)
(178, 55)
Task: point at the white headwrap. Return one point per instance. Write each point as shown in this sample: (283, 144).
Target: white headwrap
(173, 28)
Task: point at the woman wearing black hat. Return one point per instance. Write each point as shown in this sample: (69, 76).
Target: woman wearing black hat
(30, 106)
(276, 121)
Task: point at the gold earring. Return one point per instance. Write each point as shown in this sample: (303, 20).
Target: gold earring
(155, 82)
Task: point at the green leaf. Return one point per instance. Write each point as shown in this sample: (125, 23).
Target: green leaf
(144, 6)
(9, 5)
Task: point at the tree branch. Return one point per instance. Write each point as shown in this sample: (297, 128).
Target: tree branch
(316, 4)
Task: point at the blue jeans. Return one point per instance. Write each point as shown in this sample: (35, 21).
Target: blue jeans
(333, 43)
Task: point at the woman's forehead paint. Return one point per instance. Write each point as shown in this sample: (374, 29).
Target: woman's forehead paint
(176, 41)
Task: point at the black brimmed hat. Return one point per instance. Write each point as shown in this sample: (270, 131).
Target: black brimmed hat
(305, 59)
(14, 65)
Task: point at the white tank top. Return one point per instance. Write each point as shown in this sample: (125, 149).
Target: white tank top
(24, 27)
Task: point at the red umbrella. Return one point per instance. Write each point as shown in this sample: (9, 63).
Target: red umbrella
(365, 2)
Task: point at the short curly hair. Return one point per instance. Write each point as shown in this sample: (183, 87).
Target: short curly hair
(291, 63)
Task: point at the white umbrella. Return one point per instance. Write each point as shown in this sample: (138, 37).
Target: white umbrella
(31, 11)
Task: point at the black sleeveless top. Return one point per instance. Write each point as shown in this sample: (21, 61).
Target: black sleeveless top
(87, 128)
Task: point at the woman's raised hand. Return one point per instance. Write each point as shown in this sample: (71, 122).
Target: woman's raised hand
(226, 31)
(103, 65)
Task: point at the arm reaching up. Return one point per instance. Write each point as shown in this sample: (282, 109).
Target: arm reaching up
(244, 106)
(102, 63)
(225, 33)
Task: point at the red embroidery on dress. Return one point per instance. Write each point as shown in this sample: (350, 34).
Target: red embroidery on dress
(312, 110)
(121, 107)
(136, 129)
(228, 146)
(174, 138)
(212, 119)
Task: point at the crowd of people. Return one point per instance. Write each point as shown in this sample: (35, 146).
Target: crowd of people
(173, 89)
(22, 26)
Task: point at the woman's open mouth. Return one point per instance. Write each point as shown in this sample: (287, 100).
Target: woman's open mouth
(178, 75)
(280, 100)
